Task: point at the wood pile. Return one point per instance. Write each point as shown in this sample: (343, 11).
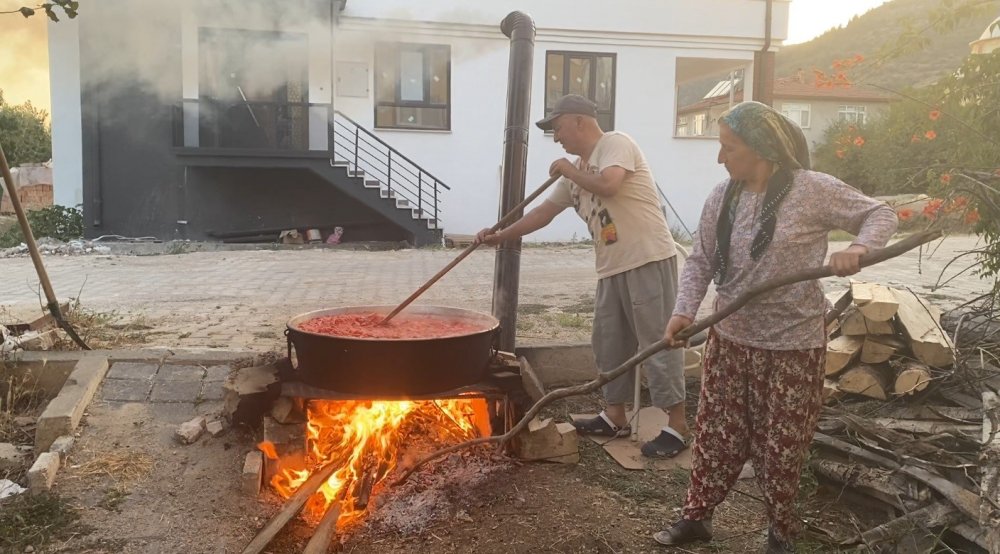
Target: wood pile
(911, 425)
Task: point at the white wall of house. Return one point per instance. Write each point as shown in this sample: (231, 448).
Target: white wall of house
(67, 122)
(649, 38)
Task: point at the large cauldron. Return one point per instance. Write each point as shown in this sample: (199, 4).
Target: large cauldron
(393, 367)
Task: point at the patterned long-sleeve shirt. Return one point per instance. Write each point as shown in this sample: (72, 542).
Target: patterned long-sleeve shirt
(791, 317)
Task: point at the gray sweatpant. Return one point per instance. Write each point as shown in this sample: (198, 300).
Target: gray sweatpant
(631, 311)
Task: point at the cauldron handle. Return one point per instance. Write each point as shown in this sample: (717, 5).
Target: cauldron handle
(288, 340)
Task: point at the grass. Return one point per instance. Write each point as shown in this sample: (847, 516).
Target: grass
(531, 309)
(121, 465)
(18, 396)
(34, 520)
(113, 498)
(106, 330)
(572, 321)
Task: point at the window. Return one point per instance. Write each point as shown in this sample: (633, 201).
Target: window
(412, 86)
(705, 89)
(699, 125)
(852, 114)
(682, 126)
(587, 74)
(798, 113)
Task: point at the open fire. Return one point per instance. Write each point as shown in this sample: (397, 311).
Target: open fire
(366, 439)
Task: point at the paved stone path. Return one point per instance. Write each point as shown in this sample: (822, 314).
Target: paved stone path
(242, 299)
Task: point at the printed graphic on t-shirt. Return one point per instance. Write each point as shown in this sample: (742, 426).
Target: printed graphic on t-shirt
(599, 221)
(609, 234)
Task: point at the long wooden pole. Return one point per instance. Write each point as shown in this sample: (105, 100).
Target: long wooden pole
(886, 253)
(325, 531)
(515, 212)
(36, 257)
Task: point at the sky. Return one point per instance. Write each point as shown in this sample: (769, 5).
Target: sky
(24, 49)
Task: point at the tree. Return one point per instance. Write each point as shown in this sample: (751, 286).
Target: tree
(68, 7)
(25, 133)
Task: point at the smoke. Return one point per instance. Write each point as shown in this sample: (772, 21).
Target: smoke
(24, 57)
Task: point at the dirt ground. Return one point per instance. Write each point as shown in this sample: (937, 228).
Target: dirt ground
(136, 490)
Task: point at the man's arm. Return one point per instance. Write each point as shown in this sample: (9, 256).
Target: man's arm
(532, 221)
(605, 184)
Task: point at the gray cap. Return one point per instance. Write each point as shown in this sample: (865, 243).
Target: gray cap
(569, 104)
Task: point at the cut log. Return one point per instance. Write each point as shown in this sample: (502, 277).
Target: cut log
(545, 440)
(325, 531)
(876, 349)
(840, 352)
(855, 323)
(867, 380)
(875, 301)
(936, 515)
(948, 413)
(838, 303)
(926, 427)
(912, 377)
(831, 391)
(920, 321)
(881, 484)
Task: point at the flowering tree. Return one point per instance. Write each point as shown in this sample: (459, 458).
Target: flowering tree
(69, 7)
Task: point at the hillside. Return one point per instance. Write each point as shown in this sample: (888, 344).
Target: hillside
(868, 34)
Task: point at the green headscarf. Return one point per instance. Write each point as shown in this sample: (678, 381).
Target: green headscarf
(777, 139)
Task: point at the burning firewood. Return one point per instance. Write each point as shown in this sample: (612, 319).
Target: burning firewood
(325, 531)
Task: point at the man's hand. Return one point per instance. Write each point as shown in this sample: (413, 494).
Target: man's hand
(486, 237)
(674, 326)
(847, 261)
(563, 168)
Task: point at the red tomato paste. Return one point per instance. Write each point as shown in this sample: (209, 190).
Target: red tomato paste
(366, 325)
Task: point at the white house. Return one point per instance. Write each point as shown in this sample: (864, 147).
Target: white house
(427, 79)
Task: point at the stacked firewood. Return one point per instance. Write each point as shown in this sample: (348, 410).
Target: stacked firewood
(910, 427)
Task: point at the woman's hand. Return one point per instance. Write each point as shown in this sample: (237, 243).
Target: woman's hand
(847, 261)
(674, 326)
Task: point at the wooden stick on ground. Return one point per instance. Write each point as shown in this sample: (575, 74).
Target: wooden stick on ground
(886, 253)
(325, 531)
(290, 509)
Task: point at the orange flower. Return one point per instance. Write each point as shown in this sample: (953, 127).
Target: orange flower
(841, 154)
(946, 178)
(905, 214)
(837, 64)
(972, 217)
(859, 141)
(934, 115)
(932, 208)
(931, 135)
(858, 58)
(915, 138)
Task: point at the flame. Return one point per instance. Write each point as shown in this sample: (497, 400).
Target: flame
(364, 438)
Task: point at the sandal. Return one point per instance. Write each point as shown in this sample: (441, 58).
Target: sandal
(601, 426)
(666, 445)
(685, 531)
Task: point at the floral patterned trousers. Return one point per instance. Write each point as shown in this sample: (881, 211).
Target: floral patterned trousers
(760, 405)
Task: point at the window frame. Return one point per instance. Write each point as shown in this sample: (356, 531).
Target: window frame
(592, 86)
(798, 108)
(853, 109)
(398, 48)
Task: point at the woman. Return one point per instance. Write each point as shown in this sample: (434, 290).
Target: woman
(762, 387)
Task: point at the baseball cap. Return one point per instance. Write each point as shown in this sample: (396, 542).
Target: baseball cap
(569, 104)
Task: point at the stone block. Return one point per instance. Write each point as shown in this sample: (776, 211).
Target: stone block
(188, 373)
(126, 390)
(175, 391)
(63, 413)
(132, 370)
(216, 427)
(190, 431)
(560, 364)
(42, 474)
(62, 447)
(253, 472)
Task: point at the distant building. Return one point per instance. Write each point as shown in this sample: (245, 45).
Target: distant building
(989, 40)
(814, 108)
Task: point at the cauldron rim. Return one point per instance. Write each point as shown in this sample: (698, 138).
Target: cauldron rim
(490, 323)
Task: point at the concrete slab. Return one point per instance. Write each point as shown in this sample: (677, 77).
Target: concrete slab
(132, 370)
(217, 372)
(42, 474)
(63, 413)
(170, 372)
(126, 390)
(175, 391)
(212, 390)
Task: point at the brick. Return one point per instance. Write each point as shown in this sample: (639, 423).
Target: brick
(42, 474)
(62, 447)
(131, 370)
(216, 427)
(190, 431)
(12, 460)
(63, 413)
(175, 391)
(125, 390)
(253, 471)
(169, 372)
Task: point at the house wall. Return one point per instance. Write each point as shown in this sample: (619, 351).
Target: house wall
(133, 180)
(648, 39)
(824, 113)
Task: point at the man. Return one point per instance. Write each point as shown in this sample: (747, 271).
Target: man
(611, 187)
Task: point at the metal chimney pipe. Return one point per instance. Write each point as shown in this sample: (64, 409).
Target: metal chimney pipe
(520, 28)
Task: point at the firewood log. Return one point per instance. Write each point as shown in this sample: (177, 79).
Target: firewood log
(913, 377)
(875, 301)
(840, 352)
(878, 349)
(867, 380)
(920, 321)
(855, 323)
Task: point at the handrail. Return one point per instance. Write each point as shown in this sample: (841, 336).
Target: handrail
(394, 151)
